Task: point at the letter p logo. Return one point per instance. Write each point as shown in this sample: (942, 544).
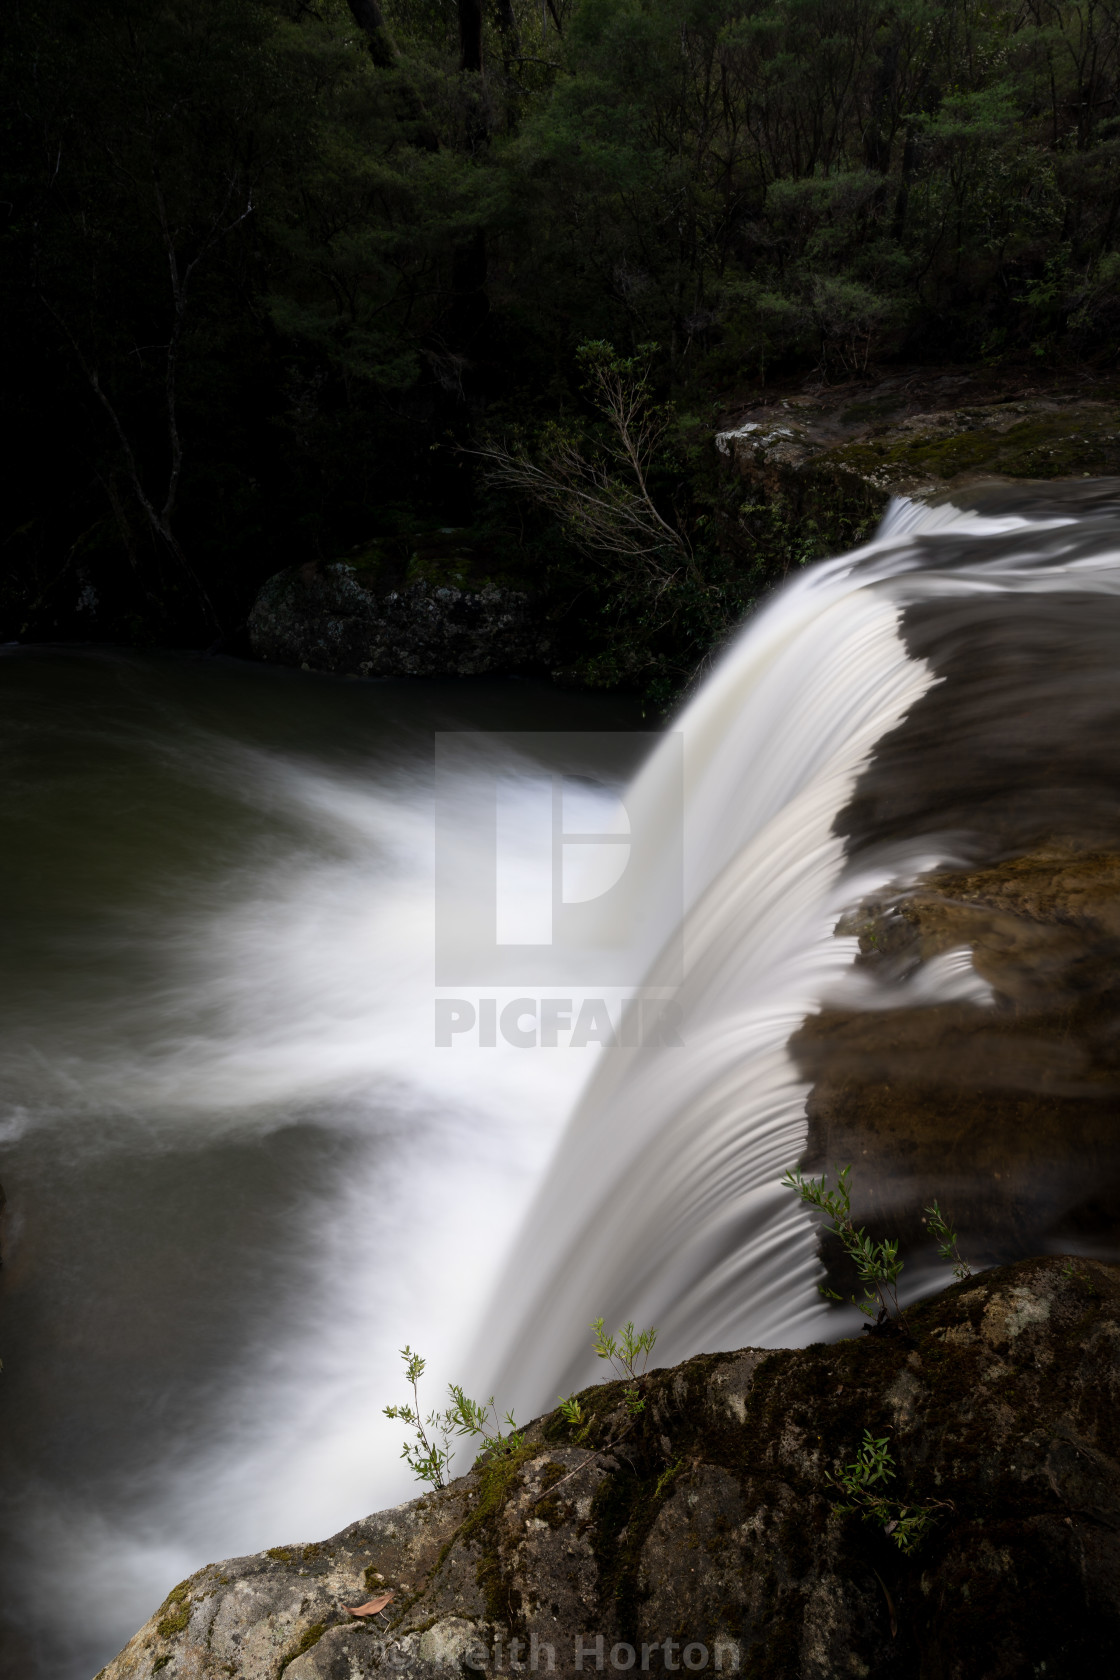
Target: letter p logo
(557, 841)
(543, 875)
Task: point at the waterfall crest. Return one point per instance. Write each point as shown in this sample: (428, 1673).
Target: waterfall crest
(663, 1201)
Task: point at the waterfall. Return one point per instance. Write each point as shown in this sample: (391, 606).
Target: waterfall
(242, 1173)
(663, 1203)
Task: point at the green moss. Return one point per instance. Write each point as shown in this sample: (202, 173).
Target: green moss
(623, 1512)
(176, 1611)
(667, 1475)
(311, 1636)
(552, 1510)
(495, 1482)
(174, 1622)
(1043, 446)
(282, 1554)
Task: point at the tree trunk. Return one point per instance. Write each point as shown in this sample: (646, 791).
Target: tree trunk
(368, 17)
(470, 35)
(470, 305)
(507, 21)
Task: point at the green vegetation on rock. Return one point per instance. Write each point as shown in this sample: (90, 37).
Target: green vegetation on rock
(720, 1518)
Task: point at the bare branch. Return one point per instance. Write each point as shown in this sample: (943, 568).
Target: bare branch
(601, 493)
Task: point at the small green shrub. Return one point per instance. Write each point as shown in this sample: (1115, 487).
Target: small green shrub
(947, 1241)
(876, 1263)
(624, 1350)
(429, 1453)
(469, 1418)
(863, 1484)
(424, 1455)
(572, 1412)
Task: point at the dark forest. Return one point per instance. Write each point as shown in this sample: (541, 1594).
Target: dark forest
(284, 281)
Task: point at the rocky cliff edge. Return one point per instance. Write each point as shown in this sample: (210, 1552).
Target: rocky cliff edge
(706, 1534)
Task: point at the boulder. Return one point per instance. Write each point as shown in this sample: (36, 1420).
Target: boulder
(706, 1533)
(344, 618)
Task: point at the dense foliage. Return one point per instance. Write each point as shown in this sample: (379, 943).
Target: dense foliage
(275, 271)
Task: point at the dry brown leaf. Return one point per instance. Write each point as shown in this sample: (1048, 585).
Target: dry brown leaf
(371, 1607)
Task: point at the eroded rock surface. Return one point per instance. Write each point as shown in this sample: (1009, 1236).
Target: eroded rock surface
(705, 1536)
(1004, 1108)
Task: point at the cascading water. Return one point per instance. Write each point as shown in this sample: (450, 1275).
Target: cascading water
(663, 1202)
(242, 1174)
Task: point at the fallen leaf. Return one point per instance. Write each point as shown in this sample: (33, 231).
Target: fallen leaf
(371, 1607)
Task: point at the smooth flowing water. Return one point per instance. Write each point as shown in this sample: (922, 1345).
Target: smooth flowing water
(241, 1173)
(950, 693)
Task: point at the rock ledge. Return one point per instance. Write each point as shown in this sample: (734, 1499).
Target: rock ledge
(704, 1534)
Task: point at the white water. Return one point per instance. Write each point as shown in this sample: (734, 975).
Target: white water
(663, 1203)
(294, 984)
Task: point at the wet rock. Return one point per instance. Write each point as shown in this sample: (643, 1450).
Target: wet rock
(341, 618)
(1002, 1106)
(918, 432)
(705, 1534)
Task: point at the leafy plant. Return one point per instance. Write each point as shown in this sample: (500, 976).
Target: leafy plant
(429, 1454)
(876, 1263)
(425, 1457)
(572, 1412)
(947, 1241)
(863, 1483)
(469, 1418)
(624, 1350)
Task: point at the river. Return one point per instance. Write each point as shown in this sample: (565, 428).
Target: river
(240, 1174)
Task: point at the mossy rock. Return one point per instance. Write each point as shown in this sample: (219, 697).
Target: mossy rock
(1055, 444)
(835, 457)
(710, 1523)
(1004, 1109)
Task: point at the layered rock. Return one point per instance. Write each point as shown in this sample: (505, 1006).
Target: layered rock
(1005, 1108)
(706, 1532)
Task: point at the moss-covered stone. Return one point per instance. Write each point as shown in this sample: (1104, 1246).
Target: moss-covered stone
(175, 1612)
(342, 618)
(710, 1520)
(307, 1640)
(822, 464)
(1059, 443)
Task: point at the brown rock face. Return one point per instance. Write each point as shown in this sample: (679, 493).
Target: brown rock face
(1006, 1112)
(704, 1535)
